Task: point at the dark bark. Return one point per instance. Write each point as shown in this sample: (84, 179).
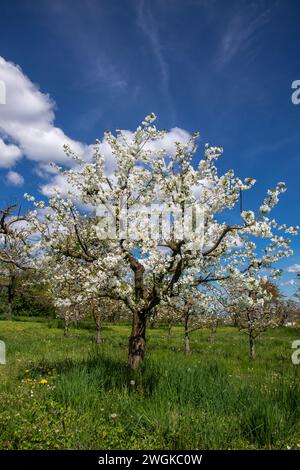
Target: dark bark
(137, 339)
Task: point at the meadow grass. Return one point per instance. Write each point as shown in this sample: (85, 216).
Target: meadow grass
(213, 399)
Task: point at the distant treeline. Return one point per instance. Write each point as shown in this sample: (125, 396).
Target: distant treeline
(30, 296)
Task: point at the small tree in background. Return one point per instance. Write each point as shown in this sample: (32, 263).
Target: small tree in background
(297, 293)
(194, 310)
(15, 250)
(254, 307)
(76, 297)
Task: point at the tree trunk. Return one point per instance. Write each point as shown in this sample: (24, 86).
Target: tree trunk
(251, 347)
(137, 340)
(169, 329)
(187, 348)
(98, 330)
(9, 315)
(212, 334)
(10, 297)
(66, 328)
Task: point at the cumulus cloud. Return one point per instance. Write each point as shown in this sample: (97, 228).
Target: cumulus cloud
(28, 120)
(168, 141)
(14, 178)
(9, 154)
(57, 184)
(294, 268)
(27, 129)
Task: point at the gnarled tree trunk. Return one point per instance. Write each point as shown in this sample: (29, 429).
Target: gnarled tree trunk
(137, 339)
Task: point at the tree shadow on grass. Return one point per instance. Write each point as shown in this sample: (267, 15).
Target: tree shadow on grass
(101, 371)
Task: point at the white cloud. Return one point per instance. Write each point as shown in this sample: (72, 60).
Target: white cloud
(294, 268)
(28, 120)
(43, 170)
(9, 154)
(168, 141)
(27, 123)
(14, 178)
(57, 184)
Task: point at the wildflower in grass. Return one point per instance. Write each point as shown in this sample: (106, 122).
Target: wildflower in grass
(43, 382)
(113, 416)
(132, 383)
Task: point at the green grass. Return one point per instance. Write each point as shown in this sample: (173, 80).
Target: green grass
(214, 399)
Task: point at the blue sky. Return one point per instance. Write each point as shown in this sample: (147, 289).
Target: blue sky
(224, 68)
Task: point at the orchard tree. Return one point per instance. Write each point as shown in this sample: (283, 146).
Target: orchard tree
(297, 293)
(166, 313)
(195, 310)
(146, 257)
(77, 293)
(67, 295)
(15, 249)
(254, 306)
(292, 306)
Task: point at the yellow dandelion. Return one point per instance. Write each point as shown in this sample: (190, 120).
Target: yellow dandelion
(43, 381)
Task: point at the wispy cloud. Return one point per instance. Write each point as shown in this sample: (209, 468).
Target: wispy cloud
(294, 268)
(106, 73)
(99, 68)
(271, 147)
(240, 35)
(150, 27)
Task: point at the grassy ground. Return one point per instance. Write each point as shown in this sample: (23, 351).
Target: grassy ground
(65, 393)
